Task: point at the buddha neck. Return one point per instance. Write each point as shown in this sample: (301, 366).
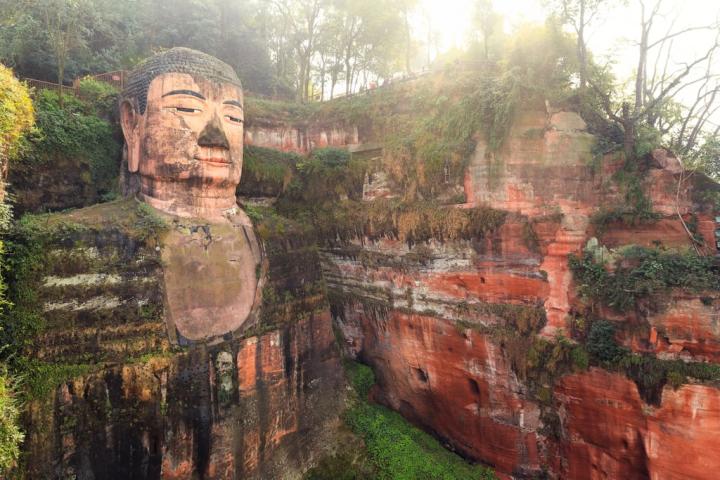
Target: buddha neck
(197, 201)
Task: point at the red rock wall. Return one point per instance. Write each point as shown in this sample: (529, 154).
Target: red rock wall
(611, 433)
(457, 383)
(299, 138)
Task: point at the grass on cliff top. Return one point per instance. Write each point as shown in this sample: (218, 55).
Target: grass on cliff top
(397, 450)
(137, 220)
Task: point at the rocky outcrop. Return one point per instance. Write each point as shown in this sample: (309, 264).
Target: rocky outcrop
(453, 381)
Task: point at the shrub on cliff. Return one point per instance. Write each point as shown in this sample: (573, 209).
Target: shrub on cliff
(601, 342)
(101, 96)
(641, 273)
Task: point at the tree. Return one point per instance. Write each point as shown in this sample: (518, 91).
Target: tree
(579, 14)
(487, 22)
(653, 103)
(62, 20)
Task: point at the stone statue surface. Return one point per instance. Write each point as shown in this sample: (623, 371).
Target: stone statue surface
(182, 119)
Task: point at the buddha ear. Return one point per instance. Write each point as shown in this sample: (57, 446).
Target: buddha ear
(130, 123)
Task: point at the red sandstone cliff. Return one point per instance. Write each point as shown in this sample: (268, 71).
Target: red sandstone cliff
(443, 357)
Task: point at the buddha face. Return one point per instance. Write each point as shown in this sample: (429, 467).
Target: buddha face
(187, 146)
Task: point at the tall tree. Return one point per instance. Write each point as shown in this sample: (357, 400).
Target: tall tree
(655, 91)
(66, 32)
(580, 14)
(487, 22)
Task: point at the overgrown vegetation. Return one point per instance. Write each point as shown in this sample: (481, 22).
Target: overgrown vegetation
(11, 436)
(74, 130)
(396, 449)
(16, 120)
(640, 273)
(266, 172)
(16, 115)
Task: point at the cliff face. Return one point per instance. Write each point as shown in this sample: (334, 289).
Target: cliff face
(263, 407)
(456, 330)
(115, 399)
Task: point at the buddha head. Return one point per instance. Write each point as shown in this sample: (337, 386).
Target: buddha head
(182, 119)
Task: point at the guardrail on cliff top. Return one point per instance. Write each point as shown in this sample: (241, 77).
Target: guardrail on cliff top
(116, 79)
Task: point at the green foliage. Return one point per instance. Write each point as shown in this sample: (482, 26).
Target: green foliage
(542, 59)
(601, 342)
(41, 379)
(98, 36)
(74, 131)
(548, 360)
(642, 273)
(398, 450)
(22, 269)
(326, 176)
(101, 95)
(149, 223)
(649, 373)
(11, 435)
(361, 377)
(16, 114)
(636, 207)
(266, 171)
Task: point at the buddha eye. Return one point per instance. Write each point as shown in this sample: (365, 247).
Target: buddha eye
(234, 119)
(188, 110)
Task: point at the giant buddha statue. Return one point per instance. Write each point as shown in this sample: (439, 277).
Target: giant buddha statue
(182, 119)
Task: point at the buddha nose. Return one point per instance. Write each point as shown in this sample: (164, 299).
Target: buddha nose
(213, 135)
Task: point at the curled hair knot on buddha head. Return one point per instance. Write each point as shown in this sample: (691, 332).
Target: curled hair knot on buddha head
(175, 60)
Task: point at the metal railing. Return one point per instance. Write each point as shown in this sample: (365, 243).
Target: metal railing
(116, 79)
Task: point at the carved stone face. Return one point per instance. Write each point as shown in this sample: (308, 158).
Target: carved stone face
(188, 144)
